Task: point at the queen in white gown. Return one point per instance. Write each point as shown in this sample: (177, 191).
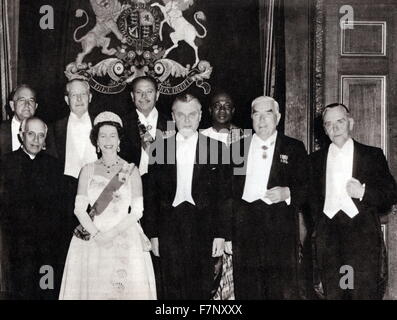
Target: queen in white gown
(115, 262)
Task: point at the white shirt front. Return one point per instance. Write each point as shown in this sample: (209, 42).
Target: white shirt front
(79, 149)
(150, 122)
(15, 125)
(258, 168)
(185, 158)
(339, 171)
(217, 135)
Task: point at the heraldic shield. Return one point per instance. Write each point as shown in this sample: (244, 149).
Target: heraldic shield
(138, 28)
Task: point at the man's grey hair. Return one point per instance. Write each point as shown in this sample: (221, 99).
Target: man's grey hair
(26, 121)
(335, 105)
(185, 98)
(265, 99)
(67, 88)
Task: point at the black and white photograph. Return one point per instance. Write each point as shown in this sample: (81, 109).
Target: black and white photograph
(206, 151)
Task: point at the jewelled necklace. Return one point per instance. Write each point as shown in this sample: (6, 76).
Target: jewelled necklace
(110, 166)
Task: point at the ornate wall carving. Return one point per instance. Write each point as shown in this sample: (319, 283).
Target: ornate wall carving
(318, 76)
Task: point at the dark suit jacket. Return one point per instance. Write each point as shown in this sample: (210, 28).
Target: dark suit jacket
(210, 189)
(369, 167)
(24, 182)
(131, 144)
(58, 134)
(32, 218)
(289, 169)
(5, 137)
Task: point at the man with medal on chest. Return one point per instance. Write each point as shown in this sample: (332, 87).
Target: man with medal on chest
(269, 187)
(143, 125)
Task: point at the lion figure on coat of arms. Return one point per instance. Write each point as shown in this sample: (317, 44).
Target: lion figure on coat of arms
(107, 12)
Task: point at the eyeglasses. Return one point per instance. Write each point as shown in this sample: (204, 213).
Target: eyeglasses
(31, 101)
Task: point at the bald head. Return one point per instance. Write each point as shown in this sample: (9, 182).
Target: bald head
(25, 124)
(34, 132)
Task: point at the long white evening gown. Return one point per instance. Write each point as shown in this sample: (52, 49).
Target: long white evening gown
(120, 270)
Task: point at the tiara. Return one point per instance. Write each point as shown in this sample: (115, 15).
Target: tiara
(107, 116)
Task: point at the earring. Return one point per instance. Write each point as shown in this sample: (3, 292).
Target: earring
(98, 149)
(118, 148)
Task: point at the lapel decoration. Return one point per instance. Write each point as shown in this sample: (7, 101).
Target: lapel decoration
(146, 137)
(168, 133)
(275, 176)
(284, 158)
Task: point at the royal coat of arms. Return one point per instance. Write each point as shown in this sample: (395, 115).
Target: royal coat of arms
(138, 27)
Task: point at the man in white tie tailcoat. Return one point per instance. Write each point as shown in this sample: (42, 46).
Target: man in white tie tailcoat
(188, 205)
(351, 186)
(269, 187)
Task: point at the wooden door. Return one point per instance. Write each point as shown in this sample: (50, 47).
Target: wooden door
(360, 70)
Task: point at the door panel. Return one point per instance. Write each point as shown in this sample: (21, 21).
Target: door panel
(365, 96)
(360, 70)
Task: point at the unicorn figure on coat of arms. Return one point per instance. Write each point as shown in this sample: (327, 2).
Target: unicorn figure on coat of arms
(183, 29)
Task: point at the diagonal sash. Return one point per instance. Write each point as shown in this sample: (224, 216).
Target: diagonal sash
(100, 205)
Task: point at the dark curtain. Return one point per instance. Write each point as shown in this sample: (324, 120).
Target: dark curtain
(279, 64)
(272, 49)
(232, 46)
(9, 21)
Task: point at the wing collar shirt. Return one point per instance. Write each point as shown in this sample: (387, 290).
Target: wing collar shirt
(259, 163)
(185, 158)
(339, 171)
(219, 136)
(15, 125)
(150, 122)
(79, 150)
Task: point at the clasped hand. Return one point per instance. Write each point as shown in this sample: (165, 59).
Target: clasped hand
(278, 194)
(218, 247)
(355, 189)
(104, 238)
